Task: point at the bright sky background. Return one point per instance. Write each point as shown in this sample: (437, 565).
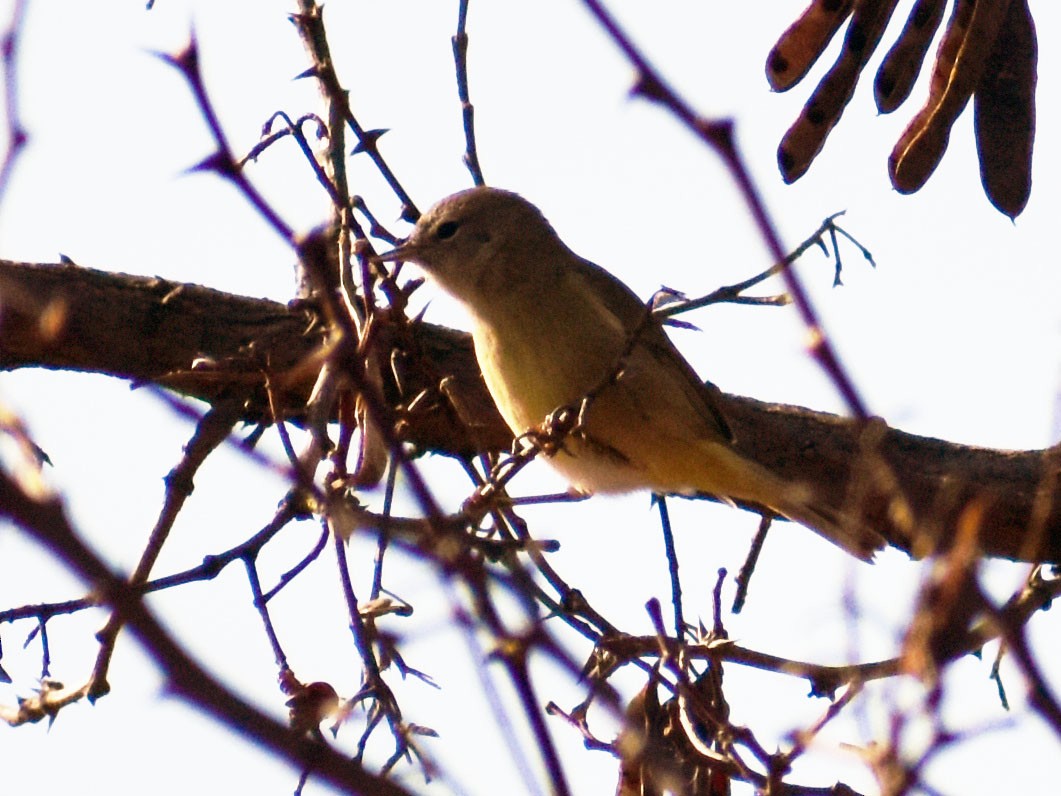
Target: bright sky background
(954, 335)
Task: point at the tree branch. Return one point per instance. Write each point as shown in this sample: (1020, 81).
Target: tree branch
(207, 345)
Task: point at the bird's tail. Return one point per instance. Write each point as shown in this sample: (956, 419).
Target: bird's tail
(750, 482)
(797, 503)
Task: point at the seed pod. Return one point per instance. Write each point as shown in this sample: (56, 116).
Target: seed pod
(960, 62)
(804, 41)
(1004, 113)
(902, 64)
(805, 138)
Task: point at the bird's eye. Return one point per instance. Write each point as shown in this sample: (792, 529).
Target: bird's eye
(446, 230)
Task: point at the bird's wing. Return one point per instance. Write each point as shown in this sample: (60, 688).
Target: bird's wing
(655, 358)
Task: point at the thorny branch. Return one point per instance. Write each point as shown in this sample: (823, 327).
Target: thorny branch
(718, 135)
(41, 516)
(486, 548)
(210, 433)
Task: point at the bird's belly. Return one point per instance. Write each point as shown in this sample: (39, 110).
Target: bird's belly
(530, 379)
(590, 470)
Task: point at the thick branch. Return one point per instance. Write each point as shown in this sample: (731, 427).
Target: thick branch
(207, 344)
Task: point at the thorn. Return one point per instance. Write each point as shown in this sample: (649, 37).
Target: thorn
(186, 60)
(719, 132)
(410, 214)
(367, 142)
(646, 86)
(677, 324)
(218, 163)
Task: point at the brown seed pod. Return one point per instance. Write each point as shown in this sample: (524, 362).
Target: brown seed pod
(804, 41)
(1004, 113)
(805, 138)
(902, 64)
(959, 65)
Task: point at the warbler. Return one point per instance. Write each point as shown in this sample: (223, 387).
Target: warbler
(553, 331)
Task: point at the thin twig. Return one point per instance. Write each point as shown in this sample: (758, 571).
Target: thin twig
(744, 575)
(672, 565)
(460, 58)
(310, 23)
(17, 135)
(718, 135)
(734, 294)
(210, 433)
(209, 569)
(222, 161)
(44, 520)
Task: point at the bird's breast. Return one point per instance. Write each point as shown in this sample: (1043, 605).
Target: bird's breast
(550, 357)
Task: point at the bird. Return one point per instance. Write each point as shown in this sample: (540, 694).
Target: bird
(553, 331)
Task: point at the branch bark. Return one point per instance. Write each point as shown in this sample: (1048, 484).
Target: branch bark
(209, 345)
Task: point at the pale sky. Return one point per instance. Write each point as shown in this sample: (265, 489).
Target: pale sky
(953, 335)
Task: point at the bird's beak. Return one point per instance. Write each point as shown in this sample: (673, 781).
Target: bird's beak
(403, 251)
